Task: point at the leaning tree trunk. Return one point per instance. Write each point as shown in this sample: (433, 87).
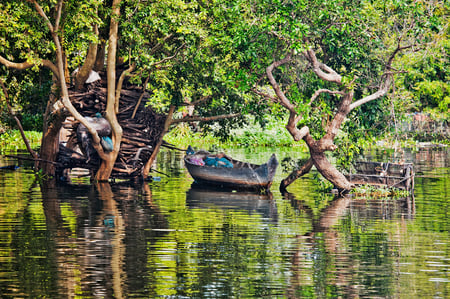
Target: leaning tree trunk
(317, 149)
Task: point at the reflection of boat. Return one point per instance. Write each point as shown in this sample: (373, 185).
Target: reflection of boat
(400, 176)
(207, 198)
(242, 175)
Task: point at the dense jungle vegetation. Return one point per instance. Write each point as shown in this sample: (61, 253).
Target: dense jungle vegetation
(334, 73)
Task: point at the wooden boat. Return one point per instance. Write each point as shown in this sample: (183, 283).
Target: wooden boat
(241, 176)
(379, 174)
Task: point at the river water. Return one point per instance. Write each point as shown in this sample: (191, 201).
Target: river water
(167, 239)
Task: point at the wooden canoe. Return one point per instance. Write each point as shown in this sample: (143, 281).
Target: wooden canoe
(243, 175)
(387, 175)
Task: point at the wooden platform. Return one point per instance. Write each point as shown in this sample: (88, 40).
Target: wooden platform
(383, 174)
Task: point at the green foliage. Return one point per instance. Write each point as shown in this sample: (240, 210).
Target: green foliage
(182, 136)
(371, 192)
(424, 83)
(350, 142)
(221, 49)
(11, 141)
(270, 133)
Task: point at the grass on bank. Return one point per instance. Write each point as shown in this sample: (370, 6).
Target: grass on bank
(273, 134)
(11, 141)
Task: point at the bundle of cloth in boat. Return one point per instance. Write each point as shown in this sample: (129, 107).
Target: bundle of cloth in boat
(218, 161)
(205, 158)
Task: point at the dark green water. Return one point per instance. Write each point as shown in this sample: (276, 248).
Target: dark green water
(166, 239)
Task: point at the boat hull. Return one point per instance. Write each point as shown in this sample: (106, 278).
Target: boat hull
(241, 177)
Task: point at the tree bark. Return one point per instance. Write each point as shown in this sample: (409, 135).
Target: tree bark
(99, 64)
(296, 174)
(167, 123)
(108, 160)
(86, 68)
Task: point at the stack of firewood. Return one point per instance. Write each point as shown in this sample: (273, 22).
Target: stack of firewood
(142, 128)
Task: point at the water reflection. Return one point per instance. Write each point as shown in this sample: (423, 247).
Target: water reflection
(170, 239)
(338, 261)
(104, 238)
(250, 202)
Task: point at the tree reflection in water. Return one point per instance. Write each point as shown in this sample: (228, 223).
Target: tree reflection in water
(110, 241)
(127, 240)
(329, 259)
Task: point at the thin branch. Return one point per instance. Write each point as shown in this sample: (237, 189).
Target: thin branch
(25, 140)
(124, 74)
(265, 95)
(140, 97)
(43, 15)
(170, 57)
(58, 14)
(199, 101)
(167, 123)
(159, 45)
(26, 65)
(205, 119)
(323, 90)
(384, 88)
(388, 79)
(284, 101)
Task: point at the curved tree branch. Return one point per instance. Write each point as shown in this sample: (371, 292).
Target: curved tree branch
(388, 77)
(44, 16)
(323, 90)
(284, 101)
(58, 14)
(169, 120)
(322, 70)
(197, 102)
(296, 174)
(26, 65)
(122, 77)
(383, 89)
(144, 88)
(294, 118)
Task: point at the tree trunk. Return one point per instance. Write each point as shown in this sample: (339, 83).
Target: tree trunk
(49, 148)
(108, 160)
(329, 171)
(152, 158)
(99, 64)
(52, 124)
(296, 174)
(318, 148)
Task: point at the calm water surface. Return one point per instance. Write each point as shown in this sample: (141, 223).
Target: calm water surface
(171, 240)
